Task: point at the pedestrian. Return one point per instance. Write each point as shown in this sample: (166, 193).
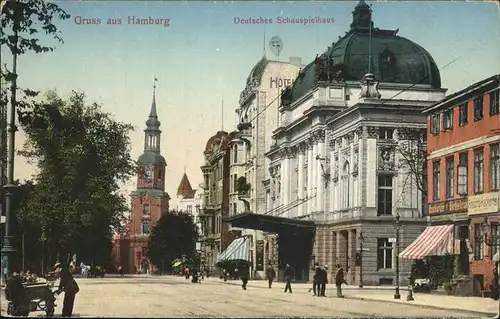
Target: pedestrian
(324, 281)
(244, 275)
(70, 287)
(316, 279)
(289, 275)
(339, 280)
(271, 274)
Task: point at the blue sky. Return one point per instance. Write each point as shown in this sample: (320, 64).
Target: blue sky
(204, 57)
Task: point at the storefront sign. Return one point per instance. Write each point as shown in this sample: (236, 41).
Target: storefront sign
(448, 207)
(484, 203)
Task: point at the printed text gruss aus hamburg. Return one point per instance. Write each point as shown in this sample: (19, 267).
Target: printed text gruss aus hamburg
(282, 20)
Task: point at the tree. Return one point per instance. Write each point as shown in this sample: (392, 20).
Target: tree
(413, 150)
(174, 236)
(82, 155)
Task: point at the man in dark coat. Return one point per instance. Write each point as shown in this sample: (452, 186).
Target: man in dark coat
(17, 293)
(244, 274)
(271, 274)
(324, 281)
(339, 280)
(70, 288)
(289, 275)
(316, 279)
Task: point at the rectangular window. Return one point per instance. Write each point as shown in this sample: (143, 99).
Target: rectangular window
(478, 171)
(235, 208)
(450, 171)
(235, 183)
(495, 166)
(462, 117)
(495, 102)
(436, 177)
(384, 194)
(463, 178)
(435, 124)
(146, 210)
(146, 228)
(189, 209)
(478, 108)
(448, 119)
(235, 154)
(478, 242)
(385, 133)
(384, 253)
(495, 233)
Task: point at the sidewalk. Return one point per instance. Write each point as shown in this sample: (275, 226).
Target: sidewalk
(484, 306)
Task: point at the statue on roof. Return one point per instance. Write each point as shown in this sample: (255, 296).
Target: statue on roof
(369, 87)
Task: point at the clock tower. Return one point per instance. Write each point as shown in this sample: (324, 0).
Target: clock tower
(148, 202)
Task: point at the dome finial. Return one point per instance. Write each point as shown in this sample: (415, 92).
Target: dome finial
(362, 17)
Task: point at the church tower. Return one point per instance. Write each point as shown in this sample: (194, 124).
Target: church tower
(149, 200)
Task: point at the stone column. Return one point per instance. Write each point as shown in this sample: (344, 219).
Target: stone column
(288, 180)
(314, 181)
(320, 199)
(309, 177)
(281, 189)
(300, 177)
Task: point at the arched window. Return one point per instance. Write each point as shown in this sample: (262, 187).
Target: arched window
(346, 187)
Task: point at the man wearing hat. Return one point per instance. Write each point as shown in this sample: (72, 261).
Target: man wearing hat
(324, 281)
(69, 286)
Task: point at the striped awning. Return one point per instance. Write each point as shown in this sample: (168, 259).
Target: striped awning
(434, 241)
(237, 250)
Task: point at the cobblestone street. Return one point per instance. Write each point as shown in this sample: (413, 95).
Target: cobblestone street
(174, 296)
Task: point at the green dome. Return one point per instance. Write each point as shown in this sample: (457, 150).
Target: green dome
(150, 157)
(394, 59)
(258, 70)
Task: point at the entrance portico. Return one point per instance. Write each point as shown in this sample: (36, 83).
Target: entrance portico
(290, 240)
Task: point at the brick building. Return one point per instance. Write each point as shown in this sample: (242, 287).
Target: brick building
(148, 202)
(215, 234)
(464, 174)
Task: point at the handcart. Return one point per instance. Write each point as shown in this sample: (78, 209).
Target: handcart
(39, 297)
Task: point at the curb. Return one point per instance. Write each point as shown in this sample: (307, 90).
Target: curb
(487, 314)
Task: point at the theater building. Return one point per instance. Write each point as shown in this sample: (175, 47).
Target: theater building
(464, 174)
(336, 181)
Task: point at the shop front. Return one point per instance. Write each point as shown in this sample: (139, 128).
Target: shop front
(484, 229)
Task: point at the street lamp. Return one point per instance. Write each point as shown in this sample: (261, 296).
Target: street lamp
(398, 227)
(8, 250)
(361, 242)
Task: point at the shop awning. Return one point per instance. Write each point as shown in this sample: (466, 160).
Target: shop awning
(268, 223)
(237, 250)
(434, 241)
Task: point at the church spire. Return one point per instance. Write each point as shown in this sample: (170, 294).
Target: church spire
(152, 131)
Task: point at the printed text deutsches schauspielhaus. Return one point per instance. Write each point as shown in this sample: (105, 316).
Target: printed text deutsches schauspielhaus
(281, 20)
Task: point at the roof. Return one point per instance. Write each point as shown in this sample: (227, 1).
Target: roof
(257, 70)
(185, 190)
(464, 94)
(394, 59)
(151, 157)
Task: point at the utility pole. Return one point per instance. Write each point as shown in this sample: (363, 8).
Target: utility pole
(7, 249)
(398, 227)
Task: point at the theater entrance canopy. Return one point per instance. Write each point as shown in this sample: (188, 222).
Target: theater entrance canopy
(268, 223)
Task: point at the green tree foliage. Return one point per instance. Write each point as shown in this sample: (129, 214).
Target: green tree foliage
(174, 236)
(82, 154)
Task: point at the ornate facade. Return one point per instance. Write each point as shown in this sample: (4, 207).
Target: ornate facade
(337, 158)
(258, 117)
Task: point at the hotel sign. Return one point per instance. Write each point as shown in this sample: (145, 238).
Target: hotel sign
(448, 207)
(484, 203)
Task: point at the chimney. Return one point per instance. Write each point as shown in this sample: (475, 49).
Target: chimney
(296, 61)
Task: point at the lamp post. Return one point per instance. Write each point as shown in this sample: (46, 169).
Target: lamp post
(361, 242)
(398, 226)
(8, 250)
